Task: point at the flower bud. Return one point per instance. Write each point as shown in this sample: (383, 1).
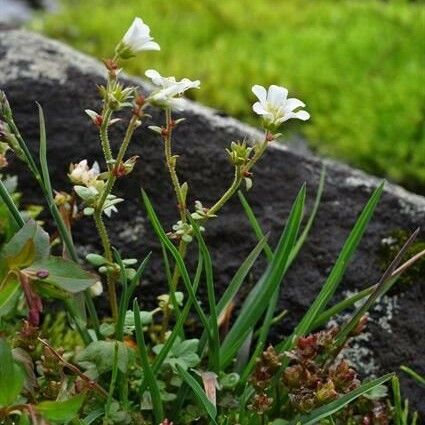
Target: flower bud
(136, 39)
(292, 376)
(5, 110)
(96, 289)
(96, 259)
(326, 392)
(95, 117)
(239, 153)
(8, 138)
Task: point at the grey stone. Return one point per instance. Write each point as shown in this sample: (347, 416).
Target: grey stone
(63, 81)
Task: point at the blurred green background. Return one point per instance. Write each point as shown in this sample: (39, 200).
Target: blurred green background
(358, 65)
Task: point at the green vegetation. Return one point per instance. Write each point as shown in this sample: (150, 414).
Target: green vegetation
(64, 361)
(358, 65)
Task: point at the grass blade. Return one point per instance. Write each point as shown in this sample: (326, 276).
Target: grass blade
(257, 301)
(176, 255)
(178, 327)
(113, 381)
(268, 318)
(200, 395)
(13, 209)
(329, 409)
(152, 384)
(337, 271)
(240, 275)
(398, 410)
(420, 379)
(309, 224)
(255, 225)
(63, 230)
(214, 346)
(381, 288)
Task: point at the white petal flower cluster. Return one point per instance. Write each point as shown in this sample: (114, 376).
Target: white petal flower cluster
(275, 107)
(169, 90)
(88, 187)
(138, 38)
(81, 173)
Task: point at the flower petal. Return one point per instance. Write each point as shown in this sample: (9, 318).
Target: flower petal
(260, 92)
(292, 104)
(155, 76)
(258, 108)
(151, 45)
(300, 115)
(277, 95)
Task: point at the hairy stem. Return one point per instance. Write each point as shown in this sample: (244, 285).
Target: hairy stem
(171, 165)
(104, 137)
(106, 244)
(237, 179)
(100, 225)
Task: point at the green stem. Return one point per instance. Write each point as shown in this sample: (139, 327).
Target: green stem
(106, 244)
(62, 229)
(100, 225)
(7, 199)
(104, 138)
(237, 179)
(171, 164)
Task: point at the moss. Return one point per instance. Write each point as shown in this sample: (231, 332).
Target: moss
(391, 245)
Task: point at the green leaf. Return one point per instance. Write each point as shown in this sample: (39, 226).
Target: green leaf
(398, 410)
(61, 411)
(337, 271)
(258, 299)
(101, 354)
(6, 197)
(30, 243)
(9, 294)
(268, 317)
(150, 378)
(200, 395)
(93, 415)
(11, 376)
(334, 406)
(240, 275)
(214, 340)
(177, 258)
(65, 274)
(182, 353)
(420, 379)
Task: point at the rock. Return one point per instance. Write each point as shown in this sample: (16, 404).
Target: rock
(64, 82)
(14, 12)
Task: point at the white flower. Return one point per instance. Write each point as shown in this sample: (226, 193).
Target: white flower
(170, 90)
(137, 38)
(96, 289)
(81, 173)
(275, 107)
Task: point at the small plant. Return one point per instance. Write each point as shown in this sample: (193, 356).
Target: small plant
(136, 366)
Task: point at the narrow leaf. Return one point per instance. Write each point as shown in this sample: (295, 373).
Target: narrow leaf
(337, 271)
(199, 393)
(329, 409)
(257, 301)
(151, 381)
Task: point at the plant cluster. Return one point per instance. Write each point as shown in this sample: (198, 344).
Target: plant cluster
(139, 366)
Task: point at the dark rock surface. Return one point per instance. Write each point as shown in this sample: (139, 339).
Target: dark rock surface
(63, 81)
